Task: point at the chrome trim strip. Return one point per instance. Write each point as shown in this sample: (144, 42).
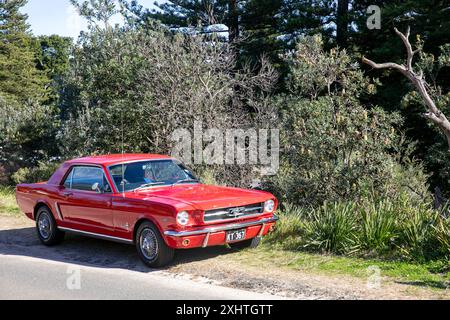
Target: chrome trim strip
(58, 211)
(96, 235)
(231, 219)
(260, 233)
(205, 241)
(118, 191)
(220, 228)
(228, 207)
(218, 213)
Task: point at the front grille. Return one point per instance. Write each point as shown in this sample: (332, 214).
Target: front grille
(233, 212)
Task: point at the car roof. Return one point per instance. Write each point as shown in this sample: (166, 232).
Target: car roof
(112, 159)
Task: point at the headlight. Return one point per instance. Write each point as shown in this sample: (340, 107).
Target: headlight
(269, 205)
(183, 218)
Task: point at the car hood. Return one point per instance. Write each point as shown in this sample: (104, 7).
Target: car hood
(205, 197)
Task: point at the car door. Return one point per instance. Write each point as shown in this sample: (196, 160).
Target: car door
(86, 200)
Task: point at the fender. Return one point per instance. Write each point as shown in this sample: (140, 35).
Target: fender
(46, 203)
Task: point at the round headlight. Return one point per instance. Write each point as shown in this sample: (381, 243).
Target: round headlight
(269, 205)
(183, 218)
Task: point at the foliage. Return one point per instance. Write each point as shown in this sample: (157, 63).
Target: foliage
(334, 146)
(130, 89)
(378, 227)
(255, 27)
(96, 11)
(433, 148)
(8, 203)
(39, 173)
(331, 228)
(401, 228)
(20, 80)
(27, 134)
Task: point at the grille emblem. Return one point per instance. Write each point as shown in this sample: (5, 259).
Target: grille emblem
(236, 212)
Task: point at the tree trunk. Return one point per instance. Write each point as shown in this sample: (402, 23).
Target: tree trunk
(342, 23)
(233, 21)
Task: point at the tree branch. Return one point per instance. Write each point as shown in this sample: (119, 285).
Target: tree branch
(433, 114)
(409, 50)
(387, 65)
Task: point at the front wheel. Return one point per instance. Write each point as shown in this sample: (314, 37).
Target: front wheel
(151, 247)
(46, 228)
(250, 243)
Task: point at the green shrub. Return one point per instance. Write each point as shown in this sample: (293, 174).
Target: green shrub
(378, 227)
(35, 174)
(335, 145)
(332, 228)
(403, 228)
(441, 233)
(289, 231)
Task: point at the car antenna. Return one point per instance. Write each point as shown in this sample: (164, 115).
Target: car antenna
(123, 166)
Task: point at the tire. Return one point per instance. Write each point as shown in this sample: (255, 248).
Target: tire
(46, 228)
(151, 247)
(250, 243)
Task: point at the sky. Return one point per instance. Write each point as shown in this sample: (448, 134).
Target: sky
(48, 17)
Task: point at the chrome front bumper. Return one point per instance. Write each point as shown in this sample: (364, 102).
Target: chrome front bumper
(227, 227)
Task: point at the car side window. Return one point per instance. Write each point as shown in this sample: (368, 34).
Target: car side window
(68, 181)
(87, 178)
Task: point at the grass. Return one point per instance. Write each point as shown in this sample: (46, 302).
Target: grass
(422, 275)
(8, 205)
(383, 229)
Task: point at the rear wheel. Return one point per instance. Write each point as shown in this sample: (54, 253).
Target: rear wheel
(250, 243)
(151, 247)
(46, 228)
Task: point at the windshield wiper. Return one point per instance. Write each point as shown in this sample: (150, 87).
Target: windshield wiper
(184, 180)
(148, 185)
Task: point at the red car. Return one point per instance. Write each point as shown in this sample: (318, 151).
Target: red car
(152, 201)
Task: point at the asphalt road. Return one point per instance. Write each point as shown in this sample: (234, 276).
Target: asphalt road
(32, 278)
(85, 268)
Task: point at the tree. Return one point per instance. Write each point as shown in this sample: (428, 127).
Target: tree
(20, 79)
(96, 11)
(335, 147)
(434, 114)
(27, 134)
(342, 21)
(260, 21)
(188, 13)
(52, 54)
(129, 89)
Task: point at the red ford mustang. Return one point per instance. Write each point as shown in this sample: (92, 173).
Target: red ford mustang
(152, 201)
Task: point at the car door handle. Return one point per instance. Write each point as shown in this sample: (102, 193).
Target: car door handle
(67, 194)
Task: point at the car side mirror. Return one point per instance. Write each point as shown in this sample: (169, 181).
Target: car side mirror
(96, 187)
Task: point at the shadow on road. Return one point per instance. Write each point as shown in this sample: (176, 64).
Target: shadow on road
(92, 252)
(427, 284)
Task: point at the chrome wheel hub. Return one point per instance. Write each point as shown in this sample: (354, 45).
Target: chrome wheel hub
(44, 226)
(148, 244)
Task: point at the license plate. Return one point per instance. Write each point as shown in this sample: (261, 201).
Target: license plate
(235, 235)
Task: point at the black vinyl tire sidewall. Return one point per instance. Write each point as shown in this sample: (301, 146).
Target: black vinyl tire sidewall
(56, 235)
(165, 253)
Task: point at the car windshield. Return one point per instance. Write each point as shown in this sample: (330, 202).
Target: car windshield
(142, 174)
